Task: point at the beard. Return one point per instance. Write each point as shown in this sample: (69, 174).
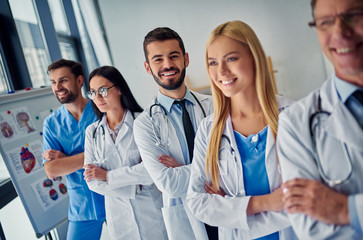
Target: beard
(71, 97)
(172, 83)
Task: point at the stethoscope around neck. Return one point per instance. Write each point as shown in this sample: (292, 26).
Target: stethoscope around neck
(323, 175)
(100, 156)
(99, 149)
(165, 130)
(232, 153)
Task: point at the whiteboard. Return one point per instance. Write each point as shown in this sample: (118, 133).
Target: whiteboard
(21, 124)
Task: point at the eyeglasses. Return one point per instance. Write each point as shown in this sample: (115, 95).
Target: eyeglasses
(352, 19)
(103, 92)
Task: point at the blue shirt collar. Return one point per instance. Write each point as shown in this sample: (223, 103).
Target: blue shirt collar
(167, 102)
(344, 88)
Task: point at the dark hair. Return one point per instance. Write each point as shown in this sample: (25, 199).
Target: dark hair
(162, 34)
(76, 67)
(113, 75)
(313, 3)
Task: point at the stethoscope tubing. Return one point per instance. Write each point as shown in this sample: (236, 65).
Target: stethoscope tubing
(235, 169)
(98, 157)
(326, 179)
(158, 139)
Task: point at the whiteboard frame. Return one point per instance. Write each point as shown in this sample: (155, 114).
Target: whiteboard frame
(37, 101)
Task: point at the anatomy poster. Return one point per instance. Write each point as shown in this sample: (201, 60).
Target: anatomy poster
(25, 159)
(44, 114)
(16, 123)
(50, 191)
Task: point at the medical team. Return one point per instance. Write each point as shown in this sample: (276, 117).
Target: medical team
(260, 166)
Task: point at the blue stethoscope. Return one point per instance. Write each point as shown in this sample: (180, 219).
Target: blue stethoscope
(313, 125)
(165, 130)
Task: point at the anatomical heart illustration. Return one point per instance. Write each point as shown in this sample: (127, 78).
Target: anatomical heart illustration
(27, 159)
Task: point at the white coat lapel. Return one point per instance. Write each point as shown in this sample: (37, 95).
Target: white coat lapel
(103, 145)
(110, 146)
(340, 124)
(228, 131)
(270, 143)
(271, 163)
(343, 126)
(198, 112)
(127, 122)
(166, 131)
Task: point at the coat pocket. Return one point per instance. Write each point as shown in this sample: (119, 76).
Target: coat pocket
(177, 223)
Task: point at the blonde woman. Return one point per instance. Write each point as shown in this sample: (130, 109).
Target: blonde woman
(235, 182)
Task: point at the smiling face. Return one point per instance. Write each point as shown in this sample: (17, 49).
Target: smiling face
(66, 87)
(342, 44)
(166, 63)
(231, 66)
(109, 103)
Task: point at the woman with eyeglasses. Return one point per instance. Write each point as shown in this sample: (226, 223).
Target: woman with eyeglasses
(113, 166)
(235, 182)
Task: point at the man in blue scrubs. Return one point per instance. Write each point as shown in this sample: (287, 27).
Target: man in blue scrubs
(63, 147)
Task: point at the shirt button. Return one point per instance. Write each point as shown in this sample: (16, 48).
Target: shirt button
(254, 139)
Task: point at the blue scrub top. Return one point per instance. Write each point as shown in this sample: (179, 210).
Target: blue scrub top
(252, 150)
(63, 133)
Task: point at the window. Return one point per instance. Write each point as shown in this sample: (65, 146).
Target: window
(32, 42)
(66, 43)
(4, 83)
(59, 17)
(86, 43)
(67, 49)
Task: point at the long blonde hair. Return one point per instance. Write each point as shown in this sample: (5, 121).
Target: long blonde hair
(243, 33)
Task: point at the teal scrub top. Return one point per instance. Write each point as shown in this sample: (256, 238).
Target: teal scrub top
(62, 132)
(252, 150)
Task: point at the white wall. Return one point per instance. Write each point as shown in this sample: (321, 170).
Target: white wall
(281, 26)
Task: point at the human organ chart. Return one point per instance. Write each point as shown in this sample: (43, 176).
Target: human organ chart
(15, 124)
(50, 191)
(6, 129)
(26, 159)
(23, 120)
(22, 114)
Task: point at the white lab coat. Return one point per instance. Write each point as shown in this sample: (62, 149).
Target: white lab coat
(172, 182)
(132, 212)
(295, 151)
(229, 213)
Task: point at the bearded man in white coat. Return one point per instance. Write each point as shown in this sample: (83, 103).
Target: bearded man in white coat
(163, 137)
